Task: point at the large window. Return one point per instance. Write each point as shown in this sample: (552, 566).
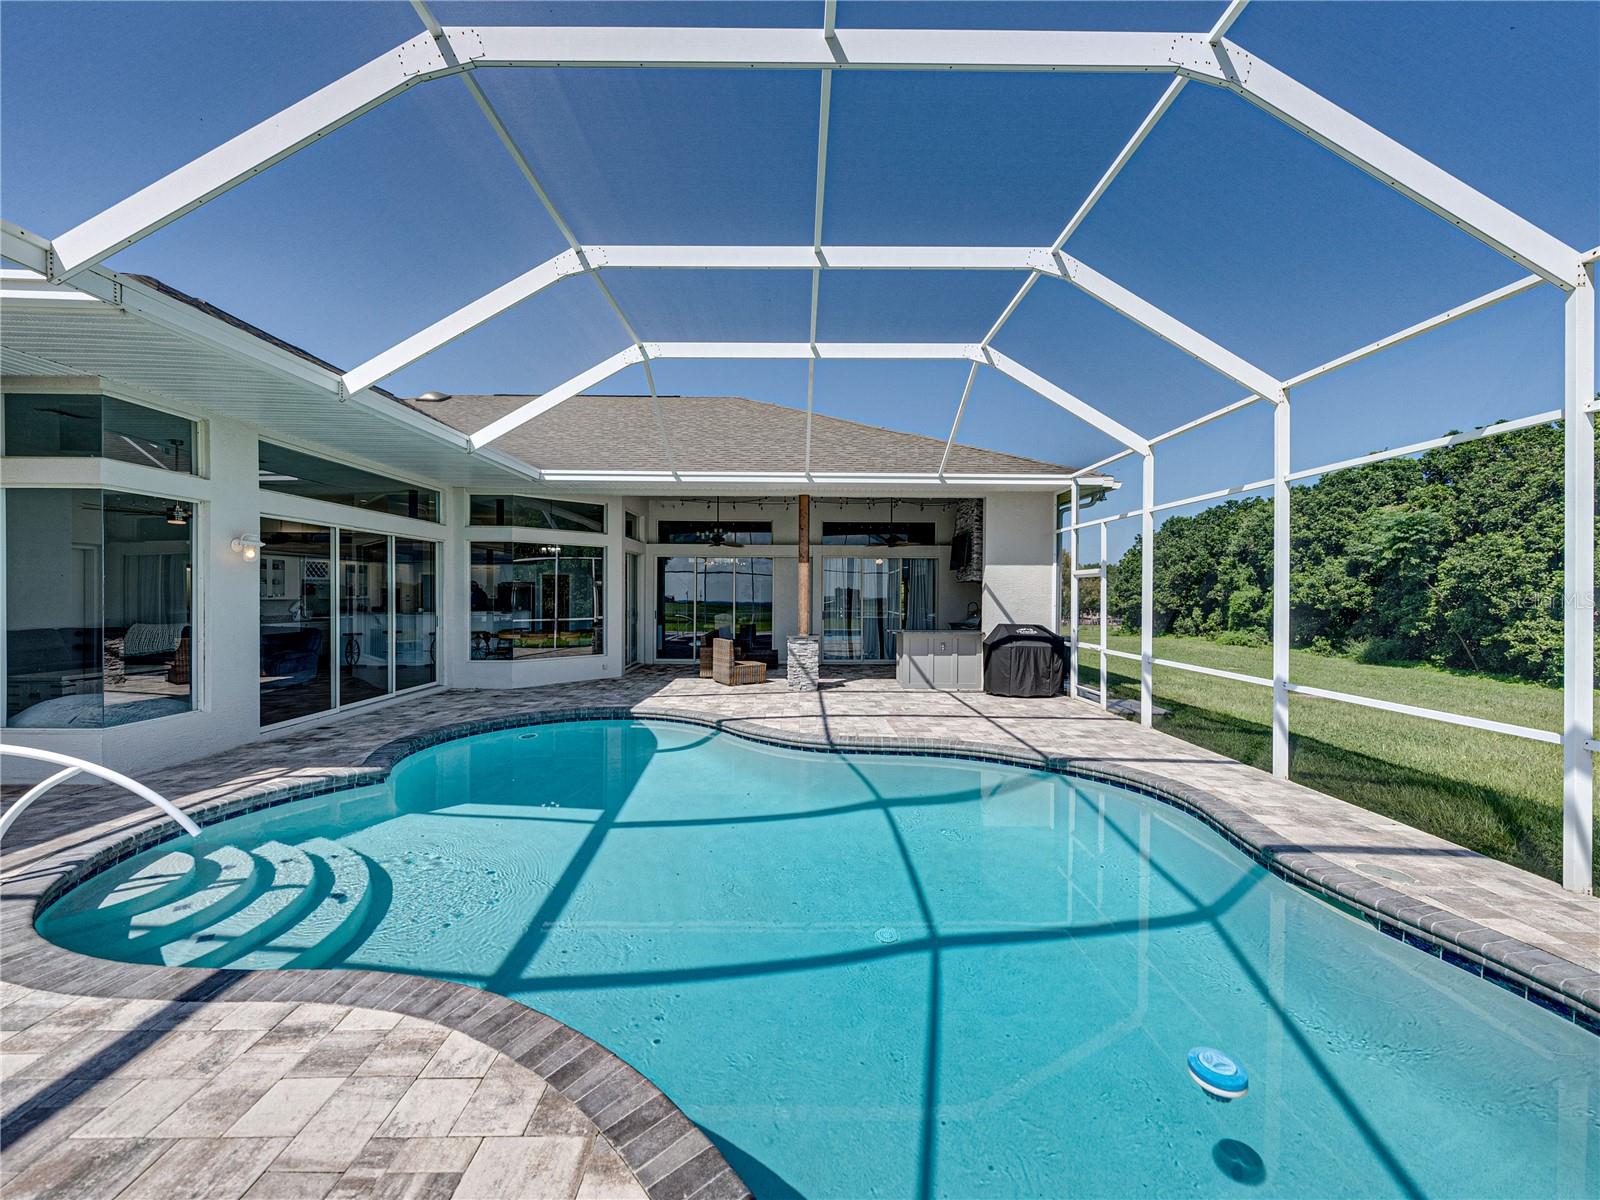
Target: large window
(535, 512)
(52, 425)
(877, 533)
(722, 533)
(700, 598)
(299, 474)
(866, 601)
(382, 590)
(536, 601)
(98, 608)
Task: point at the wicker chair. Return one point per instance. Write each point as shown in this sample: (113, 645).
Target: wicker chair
(727, 669)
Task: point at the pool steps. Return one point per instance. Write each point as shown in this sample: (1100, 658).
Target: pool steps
(287, 896)
(226, 876)
(276, 906)
(111, 895)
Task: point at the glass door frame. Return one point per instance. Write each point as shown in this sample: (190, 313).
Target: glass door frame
(883, 560)
(336, 600)
(699, 555)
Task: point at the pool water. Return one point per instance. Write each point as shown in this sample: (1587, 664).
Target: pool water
(873, 975)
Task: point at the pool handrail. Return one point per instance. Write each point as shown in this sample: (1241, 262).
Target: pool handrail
(76, 766)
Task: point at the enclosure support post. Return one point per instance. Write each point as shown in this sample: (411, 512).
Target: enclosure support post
(1280, 589)
(1577, 682)
(804, 572)
(1073, 542)
(1147, 592)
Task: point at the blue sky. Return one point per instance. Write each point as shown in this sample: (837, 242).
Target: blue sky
(1230, 220)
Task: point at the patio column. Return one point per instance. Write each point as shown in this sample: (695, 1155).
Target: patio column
(1577, 681)
(803, 652)
(805, 566)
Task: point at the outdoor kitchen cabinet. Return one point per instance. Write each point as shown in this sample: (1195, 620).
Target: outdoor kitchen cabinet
(948, 660)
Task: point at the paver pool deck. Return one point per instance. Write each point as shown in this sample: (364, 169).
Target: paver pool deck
(121, 1080)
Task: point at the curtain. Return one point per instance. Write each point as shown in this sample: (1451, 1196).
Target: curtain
(920, 612)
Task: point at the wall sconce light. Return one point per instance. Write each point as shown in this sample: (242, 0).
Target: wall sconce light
(247, 544)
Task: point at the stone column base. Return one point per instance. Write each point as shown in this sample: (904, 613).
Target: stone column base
(804, 663)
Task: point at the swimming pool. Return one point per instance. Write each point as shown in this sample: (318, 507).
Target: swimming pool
(892, 975)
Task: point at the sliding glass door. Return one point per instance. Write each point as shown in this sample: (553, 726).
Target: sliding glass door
(382, 590)
(296, 619)
(698, 598)
(363, 616)
(867, 601)
(416, 614)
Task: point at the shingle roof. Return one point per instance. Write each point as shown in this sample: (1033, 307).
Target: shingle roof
(712, 433)
(708, 433)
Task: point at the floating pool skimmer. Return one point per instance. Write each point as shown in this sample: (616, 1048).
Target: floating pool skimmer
(1218, 1075)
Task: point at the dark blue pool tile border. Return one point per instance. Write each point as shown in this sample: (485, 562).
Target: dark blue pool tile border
(1547, 980)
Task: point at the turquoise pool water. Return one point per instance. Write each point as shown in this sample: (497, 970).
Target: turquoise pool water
(869, 975)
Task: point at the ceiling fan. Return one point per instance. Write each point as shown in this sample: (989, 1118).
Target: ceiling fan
(719, 536)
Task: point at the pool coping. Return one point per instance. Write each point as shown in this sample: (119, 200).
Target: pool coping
(609, 1091)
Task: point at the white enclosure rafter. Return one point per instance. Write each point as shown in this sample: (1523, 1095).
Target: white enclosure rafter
(1199, 56)
(1165, 326)
(1042, 260)
(1064, 399)
(464, 320)
(846, 351)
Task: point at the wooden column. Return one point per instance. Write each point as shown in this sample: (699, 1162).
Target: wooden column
(805, 566)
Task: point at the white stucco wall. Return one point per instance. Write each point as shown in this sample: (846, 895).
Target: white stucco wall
(1019, 568)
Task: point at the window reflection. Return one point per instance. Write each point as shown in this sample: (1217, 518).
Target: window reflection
(296, 619)
(416, 614)
(50, 425)
(363, 616)
(536, 601)
(703, 598)
(866, 601)
(98, 608)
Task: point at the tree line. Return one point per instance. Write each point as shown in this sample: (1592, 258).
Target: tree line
(1451, 558)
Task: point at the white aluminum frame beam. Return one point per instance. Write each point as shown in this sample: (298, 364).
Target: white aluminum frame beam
(455, 49)
(850, 351)
(248, 154)
(464, 320)
(1165, 326)
(1577, 678)
(816, 259)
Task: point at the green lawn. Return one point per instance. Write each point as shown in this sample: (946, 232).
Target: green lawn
(1496, 794)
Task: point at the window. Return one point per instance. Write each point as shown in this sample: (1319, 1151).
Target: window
(94, 426)
(877, 533)
(382, 590)
(734, 533)
(534, 512)
(299, 474)
(630, 525)
(98, 608)
(867, 601)
(700, 598)
(536, 601)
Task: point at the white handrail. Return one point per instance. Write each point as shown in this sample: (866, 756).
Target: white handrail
(75, 766)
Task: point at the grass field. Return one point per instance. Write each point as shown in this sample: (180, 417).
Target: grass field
(1496, 794)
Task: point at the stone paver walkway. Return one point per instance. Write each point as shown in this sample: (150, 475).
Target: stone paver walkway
(278, 1100)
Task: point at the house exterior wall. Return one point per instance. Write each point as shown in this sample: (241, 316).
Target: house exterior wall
(1019, 566)
(227, 503)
